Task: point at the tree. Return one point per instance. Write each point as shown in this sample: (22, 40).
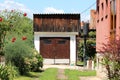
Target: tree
(90, 49)
(7, 20)
(92, 34)
(12, 22)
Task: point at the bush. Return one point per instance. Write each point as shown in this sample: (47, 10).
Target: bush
(8, 72)
(16, 52)
(36, 62)
(111, 59)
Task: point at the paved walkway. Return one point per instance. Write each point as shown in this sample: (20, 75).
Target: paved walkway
(61, 75)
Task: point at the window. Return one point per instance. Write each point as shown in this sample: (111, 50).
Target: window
(107, 2)
(98, 9)
(102, 19)
(102, 6)
(46, 41)
(61, 41)
(102, 9)
(106, 16)
(97, 21)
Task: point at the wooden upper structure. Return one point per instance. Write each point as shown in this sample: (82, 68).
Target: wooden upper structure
(56, 22)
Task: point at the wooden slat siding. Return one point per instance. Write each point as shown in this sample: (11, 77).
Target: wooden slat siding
(56, 22)
(55, 50)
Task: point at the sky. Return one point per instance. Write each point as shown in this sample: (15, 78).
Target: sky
(50, 6)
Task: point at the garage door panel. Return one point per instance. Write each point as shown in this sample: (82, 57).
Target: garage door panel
(46, 48)
(57, 48)
(62, 49)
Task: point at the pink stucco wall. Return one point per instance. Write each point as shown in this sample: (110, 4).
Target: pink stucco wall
(103, 22)
(118, 17)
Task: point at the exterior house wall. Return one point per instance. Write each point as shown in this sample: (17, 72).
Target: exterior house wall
(118, 17)
(107, 27)
(56, 22)
(92, 19)
(102, 24)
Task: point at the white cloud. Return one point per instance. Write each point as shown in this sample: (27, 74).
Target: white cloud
(52, 10)
(12, 5)
(85, 17)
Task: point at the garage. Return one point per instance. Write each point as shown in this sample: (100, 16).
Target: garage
(55, 50)
(55, 37)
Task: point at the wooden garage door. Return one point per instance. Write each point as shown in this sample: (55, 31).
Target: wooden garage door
(55, 47)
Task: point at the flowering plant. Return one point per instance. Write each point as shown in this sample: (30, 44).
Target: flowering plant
(7, 20)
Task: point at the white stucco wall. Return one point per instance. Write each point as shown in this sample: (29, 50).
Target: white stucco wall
(72, 36)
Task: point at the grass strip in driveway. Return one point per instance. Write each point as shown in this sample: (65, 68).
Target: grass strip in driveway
(75, 74)
(49, 74)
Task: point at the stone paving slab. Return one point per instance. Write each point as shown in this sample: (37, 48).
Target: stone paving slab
(61, 75)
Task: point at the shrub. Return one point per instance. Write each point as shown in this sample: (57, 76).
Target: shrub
(8, 72)
(111, 59)
(36, 62)
(16, 52)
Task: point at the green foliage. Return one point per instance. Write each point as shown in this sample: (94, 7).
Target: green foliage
(80, 50)
(75, 74)
(14, 22)
(111, 59)
(3, 73)
(5, 26)
(91, 51)
(92, 34)
(8, 72)
(16, 52)
(36, 62)
(113, 68)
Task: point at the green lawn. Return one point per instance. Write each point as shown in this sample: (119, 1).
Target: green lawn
(48, 74)
(30, 76)
(51, 74)
(75, 74)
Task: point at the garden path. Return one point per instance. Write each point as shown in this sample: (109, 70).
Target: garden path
(61, 75)
(61, 72)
